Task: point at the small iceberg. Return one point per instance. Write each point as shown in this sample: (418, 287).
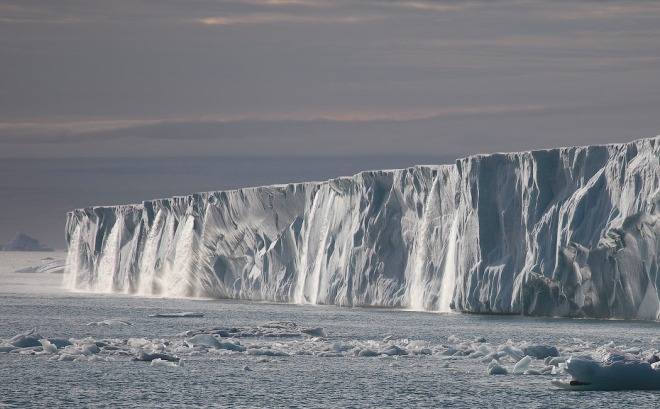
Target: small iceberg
(46, 266)
(150, 357)
(108, 323)
(614, 371)
(178, 315)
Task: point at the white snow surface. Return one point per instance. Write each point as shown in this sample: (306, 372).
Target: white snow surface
(567, 232)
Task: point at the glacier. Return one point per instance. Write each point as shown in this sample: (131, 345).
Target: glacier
(562, 232)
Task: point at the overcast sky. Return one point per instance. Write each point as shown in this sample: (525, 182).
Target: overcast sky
(303, 78)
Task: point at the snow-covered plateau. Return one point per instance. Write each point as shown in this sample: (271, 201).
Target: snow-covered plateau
(560, 232)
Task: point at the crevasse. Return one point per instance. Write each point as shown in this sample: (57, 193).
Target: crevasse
(567, 231)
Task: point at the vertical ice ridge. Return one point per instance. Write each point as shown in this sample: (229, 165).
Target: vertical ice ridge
(316, 285)
(417, 288)
(104, 281)
(449, 271)
(149, 256)
(181, 275)
(303, 266)
(73, 267)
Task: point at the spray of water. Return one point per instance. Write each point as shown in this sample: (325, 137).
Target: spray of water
(72, 268)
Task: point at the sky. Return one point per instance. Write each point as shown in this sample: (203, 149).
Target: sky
(103, 102)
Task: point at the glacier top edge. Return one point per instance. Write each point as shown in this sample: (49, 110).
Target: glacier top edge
(462, 160)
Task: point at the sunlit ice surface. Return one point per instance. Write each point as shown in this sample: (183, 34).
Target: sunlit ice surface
(561, 232)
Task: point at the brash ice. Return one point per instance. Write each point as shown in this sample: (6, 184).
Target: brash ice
(567, 231)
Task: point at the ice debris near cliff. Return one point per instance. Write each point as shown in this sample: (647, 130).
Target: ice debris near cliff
(46, 266)
(567, 231)
(589, 366)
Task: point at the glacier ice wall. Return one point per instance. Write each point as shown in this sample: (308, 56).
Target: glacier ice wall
(568, 231)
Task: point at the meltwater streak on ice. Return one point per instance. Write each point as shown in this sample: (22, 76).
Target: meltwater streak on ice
(567, 231)
(416, 289)
(320, 253)
(303, 266)
(449, 272)
(181, 273)
(73, 266)
(109, 263)
(148, 265)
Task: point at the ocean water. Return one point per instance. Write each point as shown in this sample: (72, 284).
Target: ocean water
(292, 355)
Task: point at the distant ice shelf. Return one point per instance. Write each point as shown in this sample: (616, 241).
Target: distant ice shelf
(23, 242)
(560, 232)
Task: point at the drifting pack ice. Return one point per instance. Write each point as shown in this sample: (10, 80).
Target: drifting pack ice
(560, 232)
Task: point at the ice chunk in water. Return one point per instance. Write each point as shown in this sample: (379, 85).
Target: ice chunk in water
(522, 365)
(266, 352)
(26, 340)
(393, 350)
(178, 315)
(163, 362)
(615, 371)
(315, 332)
(496, 369)
(541, 351)
(49, 347)
(147, 357)
(515, 353)
(211, 341)
(109, 322)
(60, 342)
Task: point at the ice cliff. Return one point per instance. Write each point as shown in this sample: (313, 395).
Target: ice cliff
(568, 231)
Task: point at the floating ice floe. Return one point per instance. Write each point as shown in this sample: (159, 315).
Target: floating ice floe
(165, 362)
(496, 369)
(47, 266)
(522, 365)
(277, 329)
(26, 340)
(541, 351)
(605, 367)
(147, 357)
(213, 342)
(109, 322)
(177, 315)
(610, 370)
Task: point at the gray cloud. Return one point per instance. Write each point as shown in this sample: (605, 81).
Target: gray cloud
(455, 133)
(172, 77)
(257, 11)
